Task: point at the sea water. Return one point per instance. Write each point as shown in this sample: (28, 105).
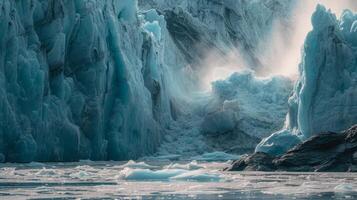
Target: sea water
(166, 180)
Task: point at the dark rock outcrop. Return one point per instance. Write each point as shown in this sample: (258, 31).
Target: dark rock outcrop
(326, 152)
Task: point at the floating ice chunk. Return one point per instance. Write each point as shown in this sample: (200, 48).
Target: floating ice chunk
(167, 175)
(137, 165)
(193, 165)
(344, 188)
(198, 175)
(47, 172)
(81, 175)
(8, 171)
(147, 174)
(216, 156)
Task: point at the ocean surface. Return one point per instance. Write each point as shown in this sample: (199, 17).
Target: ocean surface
(166, 180)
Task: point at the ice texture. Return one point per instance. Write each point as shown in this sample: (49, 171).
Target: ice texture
(220, 25)
(325, 95)
(83, 80)
(168, 175)
(106, 80)
(246, 108)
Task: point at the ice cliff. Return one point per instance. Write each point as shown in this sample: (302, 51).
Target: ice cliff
(224, 123)
(325, 95)
(81, 80)
(103, 80)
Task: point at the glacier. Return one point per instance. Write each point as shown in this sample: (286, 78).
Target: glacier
(199, 27)
(245, 107)
(80, 80)
(325, 96)
(123, 79)
(106, 80)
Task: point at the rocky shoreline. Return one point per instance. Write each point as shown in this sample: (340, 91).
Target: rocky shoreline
(326, 152)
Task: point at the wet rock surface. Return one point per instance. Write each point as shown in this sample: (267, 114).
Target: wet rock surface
(326, 152)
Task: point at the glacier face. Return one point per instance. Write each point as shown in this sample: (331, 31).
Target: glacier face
(79, 80)
(325, 95)
(102, 80)
(114, 80)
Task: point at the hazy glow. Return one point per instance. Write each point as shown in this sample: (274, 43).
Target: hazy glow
(217, 66)
(281, 52)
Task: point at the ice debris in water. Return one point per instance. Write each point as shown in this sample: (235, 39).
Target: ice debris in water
(345, 188)
(80, 175)
(137, 165)
(167, 175)
(167, 157)
(47, 172)
(198, 175)
(147, 174)
(193, 165)
(216, 156)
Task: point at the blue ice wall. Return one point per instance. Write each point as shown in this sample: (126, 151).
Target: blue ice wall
(79, 80)
(100, 80)
(325, 95)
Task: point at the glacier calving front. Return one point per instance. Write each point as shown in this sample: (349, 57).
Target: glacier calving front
(325, 96)
(102, 80)
(80, 79)
(96, 80)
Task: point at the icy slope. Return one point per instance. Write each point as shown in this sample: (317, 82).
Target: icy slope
(325, 96)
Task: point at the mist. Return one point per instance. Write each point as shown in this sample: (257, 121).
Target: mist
(280, 53)
(283, 50)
